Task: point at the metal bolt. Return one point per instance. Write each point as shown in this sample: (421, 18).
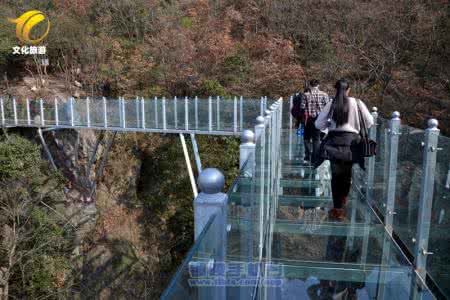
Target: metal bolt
(435, 149)
(425, 252)
(210, 264)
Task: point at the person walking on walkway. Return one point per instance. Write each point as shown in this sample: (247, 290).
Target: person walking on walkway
(313, 101)
(342, 116)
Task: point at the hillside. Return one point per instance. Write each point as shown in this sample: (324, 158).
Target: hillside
(129, 239)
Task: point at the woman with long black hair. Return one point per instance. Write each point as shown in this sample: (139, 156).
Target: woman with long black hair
(342, 117)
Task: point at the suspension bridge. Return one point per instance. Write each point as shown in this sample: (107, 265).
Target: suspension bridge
(269, 235)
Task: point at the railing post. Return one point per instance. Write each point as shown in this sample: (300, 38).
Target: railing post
(196, 111)
(394, 131)
(175, 111)
(268, 151)
(120, 112)
(260, 131)
(105, 113)
(164, 113)
(426, 197)
(259, 128)
(235, 112)
(371, 160)
(15, 111)
(290, 127)
(247, 152)
(261, 105)
(186, 113)
(29, 112)
(143, 112)
(2, 108)
(124, 117)
(210, 113)
(41, 104)
(211, 200)
(218, 112)
(241, 111)
(156, 112)
(72, 121)
(56, 112)
(138, 115)
(88, 112)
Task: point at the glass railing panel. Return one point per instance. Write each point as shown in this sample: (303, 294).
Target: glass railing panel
(227, 114)
(438, 264)
(180, 114)
(409, 175)
(96, 111)
(49, 111)
(197, 266)
(170, 108)
(203, 114)
(114, 113)
(63, 112)
(132, 117)
(381, 166)
(221, 111)
(8, 111)
(21, 107)
(250, 111)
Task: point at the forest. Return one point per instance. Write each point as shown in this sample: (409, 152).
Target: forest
(130, 240)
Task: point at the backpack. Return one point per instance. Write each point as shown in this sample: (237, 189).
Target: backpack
(296, 110)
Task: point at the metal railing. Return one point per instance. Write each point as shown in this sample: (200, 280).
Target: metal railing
(406, 185)
(214, 115)
(219, 222)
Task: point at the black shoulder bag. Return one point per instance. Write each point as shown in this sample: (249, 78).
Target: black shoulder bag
(367, 146)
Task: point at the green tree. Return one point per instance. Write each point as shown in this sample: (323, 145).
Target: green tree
(35, 239)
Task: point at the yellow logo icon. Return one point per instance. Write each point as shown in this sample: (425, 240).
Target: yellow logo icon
(26, 22)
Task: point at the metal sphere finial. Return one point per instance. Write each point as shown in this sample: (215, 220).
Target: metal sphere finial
(375, 109)
(211, 181)
(247, 136)
(260, 120)
(433, 123)
(395, 115)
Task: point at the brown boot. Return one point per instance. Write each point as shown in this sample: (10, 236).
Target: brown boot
(337, 214)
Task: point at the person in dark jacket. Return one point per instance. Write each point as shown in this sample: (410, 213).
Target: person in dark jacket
(296, 110)
(341, 117)
(314, 101)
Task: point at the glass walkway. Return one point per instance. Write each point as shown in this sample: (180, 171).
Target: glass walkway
(269, 236)
(276, 241)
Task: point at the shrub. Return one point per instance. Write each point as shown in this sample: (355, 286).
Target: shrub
(211, 88)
